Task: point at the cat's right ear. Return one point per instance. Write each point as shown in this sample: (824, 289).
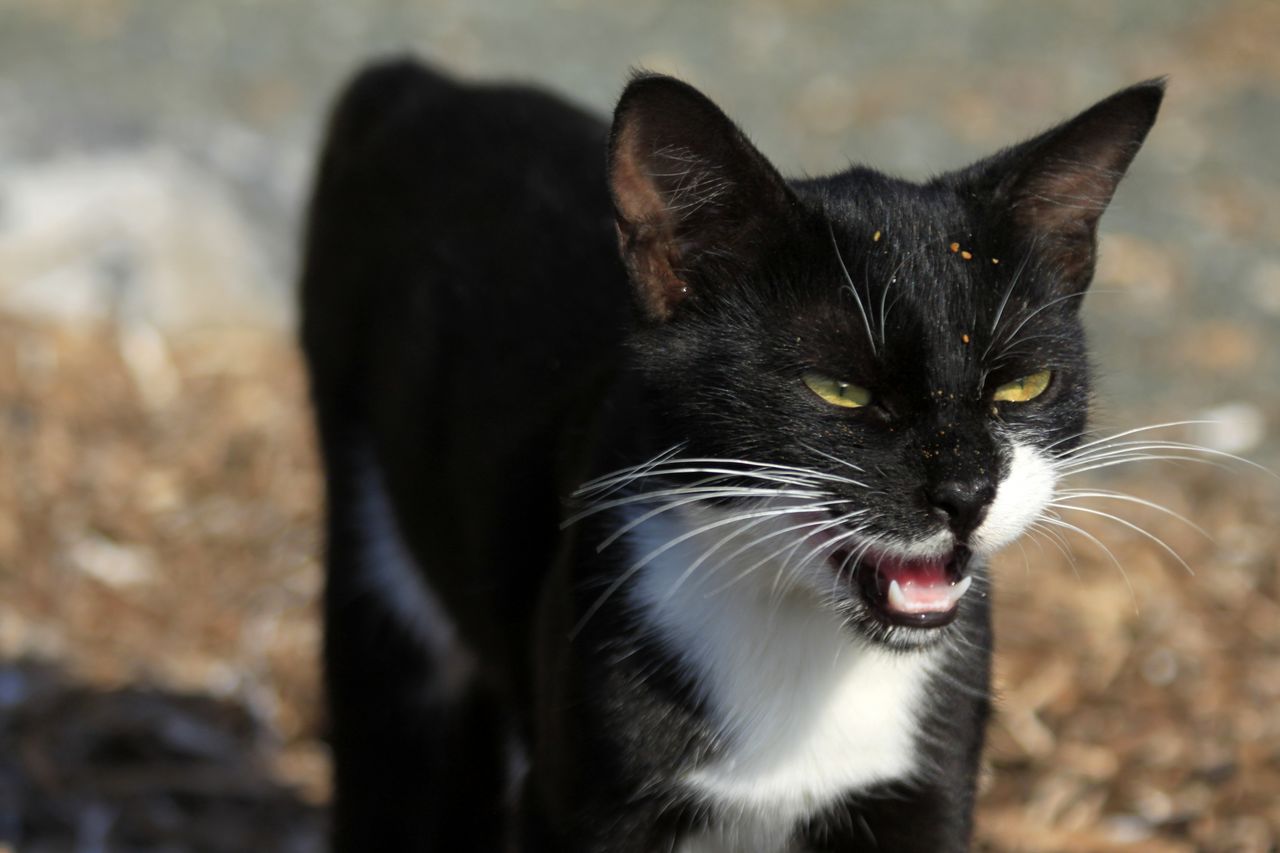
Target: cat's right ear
(694, 201)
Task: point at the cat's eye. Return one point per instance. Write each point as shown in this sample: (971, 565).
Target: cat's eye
(837, 393)
(1024, 389)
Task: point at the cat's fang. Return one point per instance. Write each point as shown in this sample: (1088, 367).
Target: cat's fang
(926, 598)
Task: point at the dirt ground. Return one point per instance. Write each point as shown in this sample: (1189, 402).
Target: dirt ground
(159, 498)
(158, 588)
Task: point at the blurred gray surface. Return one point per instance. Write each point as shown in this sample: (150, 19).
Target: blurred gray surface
(154, 154)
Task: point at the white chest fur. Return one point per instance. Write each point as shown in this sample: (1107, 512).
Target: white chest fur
(806, 711)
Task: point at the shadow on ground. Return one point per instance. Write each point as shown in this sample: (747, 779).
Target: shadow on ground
(136, 769)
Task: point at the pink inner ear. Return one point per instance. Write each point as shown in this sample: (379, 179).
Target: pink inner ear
(1074, 171)
(1062, 207)
(646, 231)
(1068, 195)
(638, 200)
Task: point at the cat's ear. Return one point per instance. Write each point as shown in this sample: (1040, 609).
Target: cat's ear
(1055, 187)
(694, 200)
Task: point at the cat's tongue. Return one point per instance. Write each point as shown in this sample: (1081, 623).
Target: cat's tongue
(918, 587)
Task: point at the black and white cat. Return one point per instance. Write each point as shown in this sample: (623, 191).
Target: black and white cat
(682, 547)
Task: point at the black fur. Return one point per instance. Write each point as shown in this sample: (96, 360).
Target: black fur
(472, 335)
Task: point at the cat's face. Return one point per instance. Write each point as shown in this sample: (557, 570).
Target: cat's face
(901, 363)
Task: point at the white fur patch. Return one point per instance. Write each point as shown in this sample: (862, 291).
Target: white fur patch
(1020, 498)
(394, 578)
(806, 710)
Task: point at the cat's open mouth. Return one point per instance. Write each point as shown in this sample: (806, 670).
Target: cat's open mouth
(920, 592)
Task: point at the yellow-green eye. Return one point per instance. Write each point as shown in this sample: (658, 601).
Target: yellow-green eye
(837, 393)
(1024, 389)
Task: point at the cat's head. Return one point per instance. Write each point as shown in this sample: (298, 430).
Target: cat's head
(902, 362)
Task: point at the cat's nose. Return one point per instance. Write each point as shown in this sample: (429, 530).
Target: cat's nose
(963, 503)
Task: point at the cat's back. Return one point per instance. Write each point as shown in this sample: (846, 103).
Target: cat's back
(463, 307)
(473, 219)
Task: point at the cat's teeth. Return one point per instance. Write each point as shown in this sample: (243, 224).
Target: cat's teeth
(897, 601)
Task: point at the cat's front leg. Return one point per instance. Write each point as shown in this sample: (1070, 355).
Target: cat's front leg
(600, 827)
(417, 740)
(930, 819)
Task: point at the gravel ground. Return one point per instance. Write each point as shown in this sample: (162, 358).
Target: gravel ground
(158, 492)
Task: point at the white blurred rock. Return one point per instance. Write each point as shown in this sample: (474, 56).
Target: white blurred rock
(150, 364)
(111, 563)
(1231, 428)
(24, 637)
(1264, 282)
(137, 236)
(1127, 829)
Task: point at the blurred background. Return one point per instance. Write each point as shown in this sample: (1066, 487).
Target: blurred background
(159, 500)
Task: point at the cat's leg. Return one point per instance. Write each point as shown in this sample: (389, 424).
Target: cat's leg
(627, 828)
(932, 819)
(418, 743)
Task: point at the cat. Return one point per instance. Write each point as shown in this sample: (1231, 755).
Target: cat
(660, 489)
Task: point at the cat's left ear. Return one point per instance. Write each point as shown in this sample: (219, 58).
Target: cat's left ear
(695, 202)
(1055, 187)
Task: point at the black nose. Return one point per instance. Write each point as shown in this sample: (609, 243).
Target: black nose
(962, 502)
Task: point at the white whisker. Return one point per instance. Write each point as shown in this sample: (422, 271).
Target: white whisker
(766, 517)
(852, 289)
(1057, 521)
(1008, 338)
(768, 557)
(705, 493)
(640, 469)
(1117, 448)
(1133, 431)
(838, 461)
(756, 470)
(1118, 520)
(630, 571)
(1107, 494)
